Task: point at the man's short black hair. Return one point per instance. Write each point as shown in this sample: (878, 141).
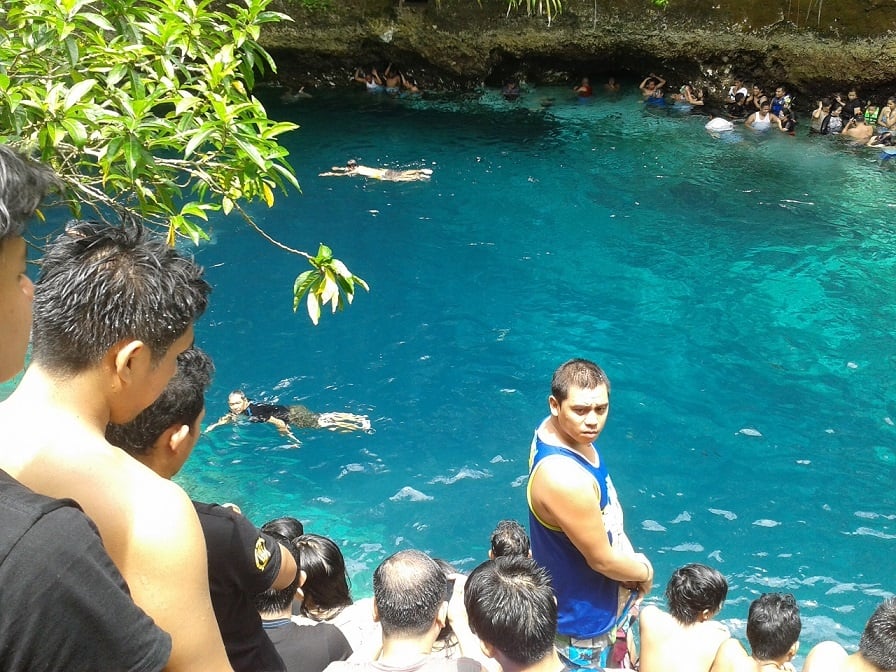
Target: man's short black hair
(408, 590)
(577, 373)
(510, 605)
(510, 538)
(101, 284)
(23, 185)
(179, 404)
(773, 625)
(693, 589)
(878, 643)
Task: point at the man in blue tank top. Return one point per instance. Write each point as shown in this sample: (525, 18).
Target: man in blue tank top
(575, 519)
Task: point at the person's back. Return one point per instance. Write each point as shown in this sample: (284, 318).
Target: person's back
(513, 611)
(411, 603)
(303, 648)
(65, 606)
(773, 630)
(113, 309)
(877, 647)
(686, 639)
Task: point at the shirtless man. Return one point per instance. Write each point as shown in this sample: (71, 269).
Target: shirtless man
(575, 518)
(687, 638)
(65, 605)
(113, 308)
(877, 648)
(773, 630)
(387, 174)
(857, 129)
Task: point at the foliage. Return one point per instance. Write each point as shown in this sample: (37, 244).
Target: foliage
(144, 107)
(329, 282)
(660, 3)
(550, 7)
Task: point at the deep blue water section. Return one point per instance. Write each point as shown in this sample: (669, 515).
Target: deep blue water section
(739, 293)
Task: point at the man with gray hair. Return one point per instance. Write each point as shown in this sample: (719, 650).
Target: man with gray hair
(411, 602)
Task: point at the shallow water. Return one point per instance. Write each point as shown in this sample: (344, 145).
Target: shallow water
(738, 293)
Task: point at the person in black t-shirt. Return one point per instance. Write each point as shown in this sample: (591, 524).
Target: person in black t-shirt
(65, 606)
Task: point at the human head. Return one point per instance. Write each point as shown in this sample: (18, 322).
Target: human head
(23, 186)
(780, 91)
(878, 643)
(351, 163)
(512, 609)
(274, 602)
(179, 408)
(237, 401)
(509, 539)
(764, 106)
(579, 402)
(695, 593)
(577, 373)
(327, 584)
(773, 626)
(286, 527)
(100, 285)
(409, 591)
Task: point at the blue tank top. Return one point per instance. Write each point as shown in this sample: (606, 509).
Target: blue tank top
(586, 601)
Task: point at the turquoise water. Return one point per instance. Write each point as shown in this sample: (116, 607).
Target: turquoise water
(739, 295)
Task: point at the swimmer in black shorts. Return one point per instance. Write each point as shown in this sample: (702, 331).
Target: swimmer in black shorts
(284, 417)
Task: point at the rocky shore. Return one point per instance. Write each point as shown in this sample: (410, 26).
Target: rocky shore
(812, 46)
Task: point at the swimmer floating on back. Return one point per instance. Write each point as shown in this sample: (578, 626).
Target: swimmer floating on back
(284, 416)
(388, 174)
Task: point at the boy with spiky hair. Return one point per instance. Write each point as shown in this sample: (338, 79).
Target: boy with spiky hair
(509, 539)
(687, 638)
(113, 308)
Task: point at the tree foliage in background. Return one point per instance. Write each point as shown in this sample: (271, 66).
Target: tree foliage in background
(145, 107)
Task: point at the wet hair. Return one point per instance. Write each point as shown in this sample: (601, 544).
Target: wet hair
(510, 538)
(326, 583)
(273, 601)
(693, 589)
(510, 605)
(577, 373)
(23, 186)
(180, 403)
(773, 625)
(351, 163)
(878, 643)
(408, 590)
(102, 284)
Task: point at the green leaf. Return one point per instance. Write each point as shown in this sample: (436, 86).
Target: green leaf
(78, 91)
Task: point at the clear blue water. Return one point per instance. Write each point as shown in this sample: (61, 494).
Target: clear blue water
(739, 295)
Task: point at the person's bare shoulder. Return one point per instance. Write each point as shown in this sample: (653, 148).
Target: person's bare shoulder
(827, 657)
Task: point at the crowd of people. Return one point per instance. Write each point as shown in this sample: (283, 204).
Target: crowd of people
(106, 564)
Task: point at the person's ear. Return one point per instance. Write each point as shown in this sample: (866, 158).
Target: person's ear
(793, 650)
(554, 405)
(303, 576)
(376, 613)
(487, 649)
(178, 434)
(125, 357)
(491, 554)
(442, 615)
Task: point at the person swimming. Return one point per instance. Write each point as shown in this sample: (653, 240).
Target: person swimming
(387, 174)
(284, 417)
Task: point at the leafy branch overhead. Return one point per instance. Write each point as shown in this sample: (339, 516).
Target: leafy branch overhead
(145, 107)
(330, 281)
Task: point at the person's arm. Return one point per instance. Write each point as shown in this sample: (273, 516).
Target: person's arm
(282, 427)
(470, 646)
(749, 122)
(569, 499)
(660, 82)
(288, 569)
(359, 77)
(167, 572)
(230, 417)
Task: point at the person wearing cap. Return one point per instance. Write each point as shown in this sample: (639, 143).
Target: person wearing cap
(352, 167)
